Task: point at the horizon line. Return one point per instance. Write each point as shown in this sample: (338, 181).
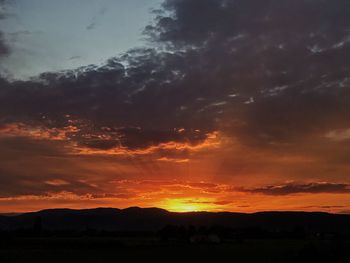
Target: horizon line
(169, 211)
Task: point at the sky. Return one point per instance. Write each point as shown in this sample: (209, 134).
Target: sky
(187, 105)
(59, 35)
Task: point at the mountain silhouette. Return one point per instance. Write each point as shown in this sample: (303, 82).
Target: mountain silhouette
(154, 219)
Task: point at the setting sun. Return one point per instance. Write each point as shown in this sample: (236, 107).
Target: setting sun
(188, 205)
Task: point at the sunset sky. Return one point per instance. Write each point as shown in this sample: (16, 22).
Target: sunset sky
(187, 105)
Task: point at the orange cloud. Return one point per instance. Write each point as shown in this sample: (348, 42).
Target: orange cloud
(37, 132)
(212, 141)
(70, 133)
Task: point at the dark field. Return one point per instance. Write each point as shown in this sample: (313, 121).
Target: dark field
(155, 235)
(108, 249)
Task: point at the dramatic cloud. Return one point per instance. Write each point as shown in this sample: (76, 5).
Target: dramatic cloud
(253, 67)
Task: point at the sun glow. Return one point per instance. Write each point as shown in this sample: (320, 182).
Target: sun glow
(188, 205)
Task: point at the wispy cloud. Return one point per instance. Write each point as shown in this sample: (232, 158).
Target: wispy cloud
(295, 188)
(95, 19)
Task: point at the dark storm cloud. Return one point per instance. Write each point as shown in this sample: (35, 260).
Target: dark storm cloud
(294, 188)
(266, 71)
(284, 63)
(106, 99)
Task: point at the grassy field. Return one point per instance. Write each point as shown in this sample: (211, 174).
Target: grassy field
(119, 249)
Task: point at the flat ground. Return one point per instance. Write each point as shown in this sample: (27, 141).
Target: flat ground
(87, 249)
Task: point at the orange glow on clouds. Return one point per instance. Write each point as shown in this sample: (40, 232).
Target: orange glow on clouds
(62, 134)
(212, 141)
(215, 174)
(178, 196)
(37, 132)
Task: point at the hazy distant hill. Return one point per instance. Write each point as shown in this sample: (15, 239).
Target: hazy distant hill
(154, 219)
